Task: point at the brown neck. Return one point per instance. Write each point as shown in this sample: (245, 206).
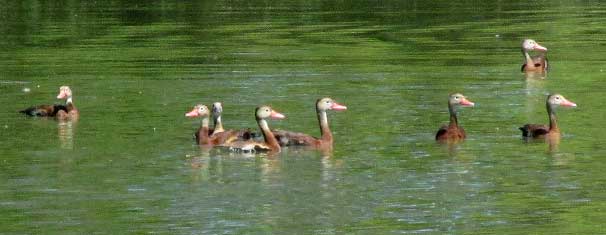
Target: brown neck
(553, 123)
(203, 132)
(453, 116)
(269, 137)
(326, 134)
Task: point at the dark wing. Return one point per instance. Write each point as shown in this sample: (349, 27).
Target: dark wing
(534, 130)
(44, 110)
(289, 138)
(442, 133)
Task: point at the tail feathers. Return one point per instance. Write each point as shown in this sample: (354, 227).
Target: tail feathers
(32, 111)
(524, 130)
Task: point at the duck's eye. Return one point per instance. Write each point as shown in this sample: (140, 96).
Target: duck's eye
(327, 101)
(557, 97)
(267, 110)
(456, 97)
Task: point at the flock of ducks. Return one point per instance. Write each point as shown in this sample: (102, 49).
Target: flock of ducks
(273, 140)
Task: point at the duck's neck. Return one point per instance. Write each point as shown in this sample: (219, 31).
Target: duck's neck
(553, 123)
(453, 116)
(218, 125)
(269, 137)
(326, 134)
(203, 132)
(527, 57)
(70, 104)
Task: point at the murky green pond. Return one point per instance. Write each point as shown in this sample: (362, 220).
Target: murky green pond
(130, 165)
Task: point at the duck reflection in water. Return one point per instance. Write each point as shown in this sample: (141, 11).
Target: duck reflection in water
(65, 129)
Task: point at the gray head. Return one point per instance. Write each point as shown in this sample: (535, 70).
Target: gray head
(531, 45)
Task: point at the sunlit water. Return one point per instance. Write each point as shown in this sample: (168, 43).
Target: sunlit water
(129, 165)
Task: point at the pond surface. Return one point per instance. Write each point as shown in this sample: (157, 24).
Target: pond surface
(130, 165)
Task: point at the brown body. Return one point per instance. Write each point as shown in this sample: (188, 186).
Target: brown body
(289, 138)
(536, 63)
(217, 138)
(453, 132)
(60, 111)
(542, 131)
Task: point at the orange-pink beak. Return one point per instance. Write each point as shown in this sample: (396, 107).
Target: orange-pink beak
(193, 113)
(339, 107)
(539, 47)
(276, 115)
(568, 103)
(62, 95)
(466, 102)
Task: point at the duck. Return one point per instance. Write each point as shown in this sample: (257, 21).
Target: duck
(60, 111)
(537, 63)
(269, 144)
(202, 136)
(453, 132)
(541, 131)
(289, 138)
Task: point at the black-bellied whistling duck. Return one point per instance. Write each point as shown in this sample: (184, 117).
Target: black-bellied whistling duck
(453, 132)
(537, 63)
(202, 136)
(288, 138)
(270, 143)
(66, 111)
(538, 130)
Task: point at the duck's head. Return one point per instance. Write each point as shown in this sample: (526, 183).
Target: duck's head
(217, 109)
(199, 110)
(531, 45)
(264, 112)
(64, 92)
(459, 99)
(559, 100)
(329, 104)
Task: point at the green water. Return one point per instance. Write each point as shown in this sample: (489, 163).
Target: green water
(130, 166)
